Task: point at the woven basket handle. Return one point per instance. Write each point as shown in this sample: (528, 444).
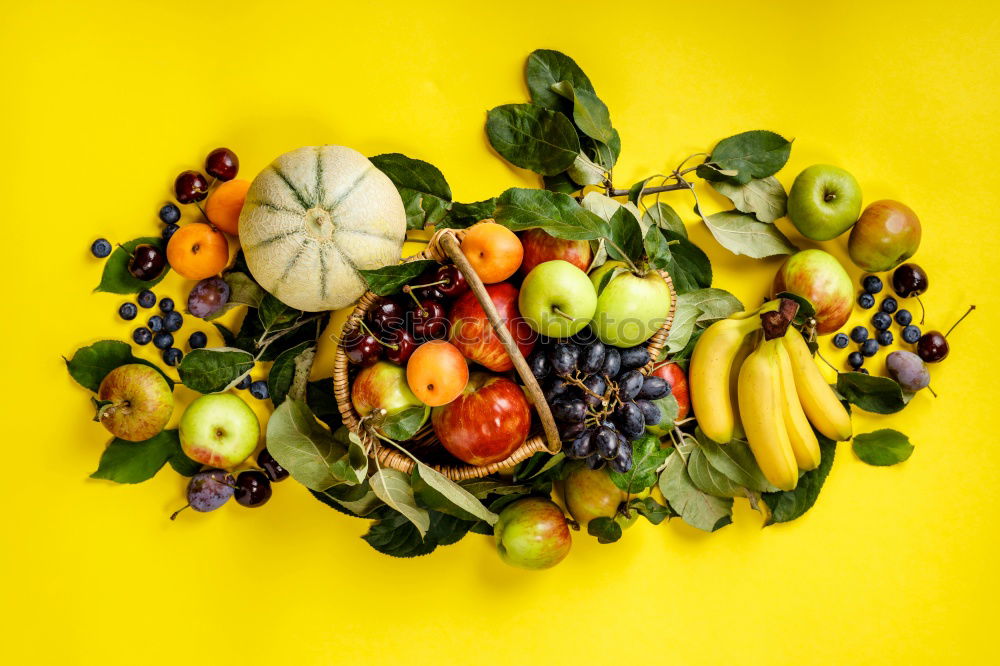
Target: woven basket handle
(445, 239)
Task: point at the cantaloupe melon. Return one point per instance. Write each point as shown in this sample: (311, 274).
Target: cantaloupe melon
(313, 218)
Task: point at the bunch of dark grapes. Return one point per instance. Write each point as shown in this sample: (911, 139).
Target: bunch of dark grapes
(599, 397)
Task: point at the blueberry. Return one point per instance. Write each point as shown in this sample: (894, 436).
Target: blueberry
(166, 304)
(172, 321)
(169, 231)
(172, 356)
(871, 284)
(244, 383)
(889, 305)
(904, 317)
(163, 340)
(884, 338)
(170, 213)
(100, 248)
(197, 340)
(869, 347)
(911, 334)
(142, 336)
(259, 390)
(146, 298)
(881, 321)
(855, 360)
(155, 323)
(840, 341)
(859, 334)
(128, 311)
(866, 300)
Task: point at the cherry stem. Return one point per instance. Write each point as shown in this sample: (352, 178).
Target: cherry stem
(174, 514)
(922, 311)
(429, 284)
(967, 313)
(408, 290)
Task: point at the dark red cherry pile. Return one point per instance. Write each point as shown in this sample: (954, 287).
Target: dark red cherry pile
(394, 326)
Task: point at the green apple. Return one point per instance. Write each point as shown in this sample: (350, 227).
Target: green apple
(824, 202)
(631, 308)
(887, 234)
(591, 494)
(135, 402)
(383, 385)
(219, 430)
(557, 299)
(532, 533)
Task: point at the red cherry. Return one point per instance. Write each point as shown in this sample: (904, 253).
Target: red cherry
(222, 163)
(362, 348)
(400, 345)
(455, 282)
(386, 315)
(190, 186)
(429, 320)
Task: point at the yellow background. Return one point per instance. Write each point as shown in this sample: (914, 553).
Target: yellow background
(104, 102)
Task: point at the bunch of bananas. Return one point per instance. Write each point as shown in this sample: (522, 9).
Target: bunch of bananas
(769, 388)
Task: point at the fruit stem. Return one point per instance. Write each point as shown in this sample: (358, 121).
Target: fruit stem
(429, 284)
(922, 311)
(563, 314)
(174, 514)
(408, 290)
(932, 391)
(967, 313)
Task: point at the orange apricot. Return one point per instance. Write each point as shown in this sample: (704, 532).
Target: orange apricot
(225, 203)
(494, 251)
(198, 251)
(437, 373)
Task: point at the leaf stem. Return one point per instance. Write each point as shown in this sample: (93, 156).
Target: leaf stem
(614, 192)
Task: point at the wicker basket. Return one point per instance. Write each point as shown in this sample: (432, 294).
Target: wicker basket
(444, 248)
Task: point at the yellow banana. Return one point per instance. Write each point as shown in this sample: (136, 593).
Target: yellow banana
(749, 343)
(805, 446)
(712, 364)
(817, 398)
(760, 405)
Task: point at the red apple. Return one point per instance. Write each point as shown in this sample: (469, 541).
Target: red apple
(819, 278)
(486, 423)
(472, 333)
(540, 247)
(678, 386)
(532, 533)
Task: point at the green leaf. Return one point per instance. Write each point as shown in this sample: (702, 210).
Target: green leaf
(546, 68)
(584, 172)
(742, 234)
(882, 447)
(182, 464)
(647, 456)
(609, 276)
(791, 504)
(388, 280)
(425, 193)
(393, 487)
(607, 530)
(764, 198)
(558, 214)
(90, 365)
(356, 501)
(442, 494)
(323, 403)
(353, 467)
(533, 138)
(590, 114)
(669, 408)
(117, 280)
(393, 534)
(696, 508)
(735, 460)
(870, 393)
(626, 237)
(713, 303)
(309, 451)
(665, 217)
(754, 154)
(462, 215)
(404, 424)
(605, 154)
(214, 370)
(134, 462)
(806, 308)
(243, 290)
(279, 379)
(482, 488)
(227, 335)
(685, 317)
(689, 267)
(274, 315)
(561, 182)
(708, 479)
(651, 510)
